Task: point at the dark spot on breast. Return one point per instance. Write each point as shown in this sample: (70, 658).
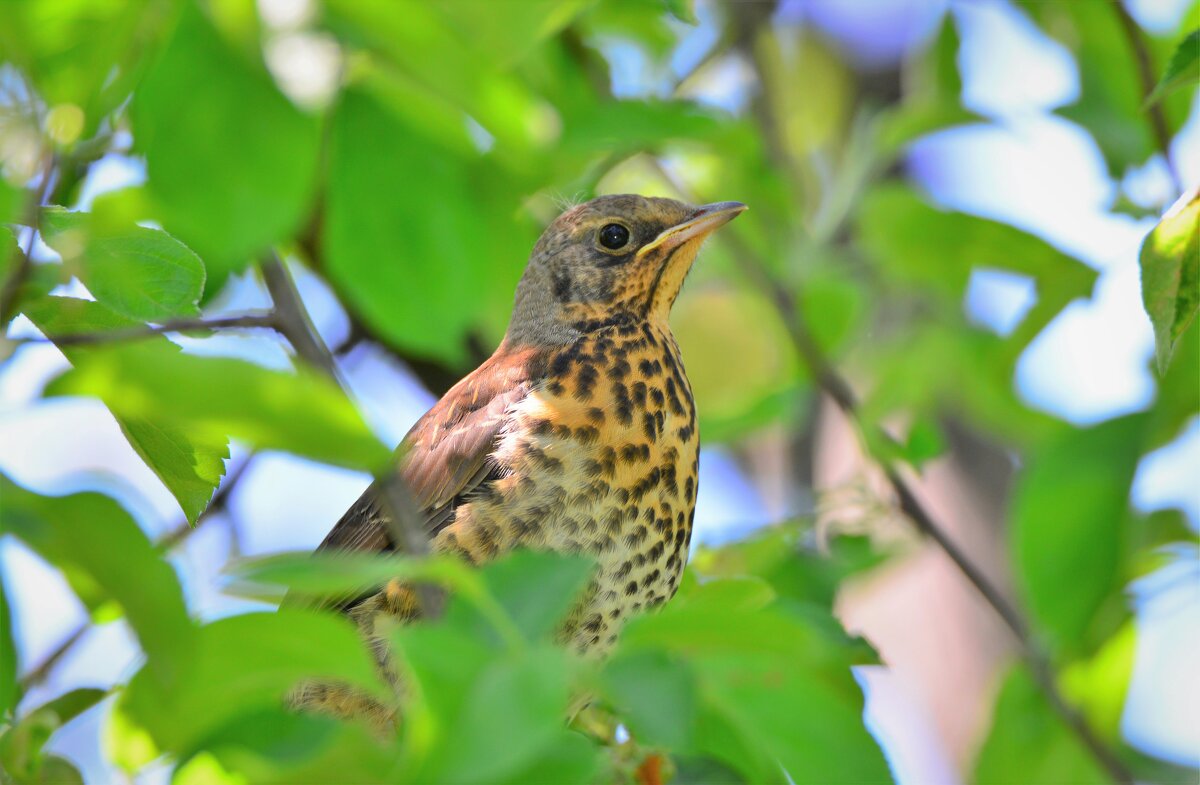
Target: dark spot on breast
(650, 426)
(631, 588)
(596, 415)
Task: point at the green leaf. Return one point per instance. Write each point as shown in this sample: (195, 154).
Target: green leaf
(144, 274)
(773, 684)
(681, 10)
(1029, 743)
(422, 239)
(655, 694)
(209, 398)
(246, 663)
(514, 712)
(10, 691)
(1182, 71)
(935, 251)
(276, 745)
(1170, 262)
(230, 161)
(189, 464)
(1069, 517)
(536, 589)
(93, 539)
(70, 705)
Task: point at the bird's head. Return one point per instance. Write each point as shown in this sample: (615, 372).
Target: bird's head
(614, 258)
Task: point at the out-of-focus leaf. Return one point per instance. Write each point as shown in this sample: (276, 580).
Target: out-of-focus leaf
(1110, 98)
(274, 744)
(537, 589)
(733, 371)
(56, 44)
(655, 694)
(141, 273)
(92, 535)
(681, 10)
(1098, 685)
(777, 686)
(1183, 70)
(932, 90)
(231, 162)
(1170, 262)
(10, 692)
(189, 464)
(400, 242)
(212, 398)
(936, 251)
(1029, 743)
(245, 663)
(1068, 517)
(513, 713)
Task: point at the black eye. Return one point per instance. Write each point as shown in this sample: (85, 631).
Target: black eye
(614, 236)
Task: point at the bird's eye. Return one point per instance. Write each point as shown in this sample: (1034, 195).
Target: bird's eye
(614, 236)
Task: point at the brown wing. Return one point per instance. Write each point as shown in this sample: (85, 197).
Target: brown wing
(446, 454)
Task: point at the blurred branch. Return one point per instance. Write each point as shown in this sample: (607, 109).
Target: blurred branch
(1155, 115)
(40, 672)
(147, 330)
(292, 319)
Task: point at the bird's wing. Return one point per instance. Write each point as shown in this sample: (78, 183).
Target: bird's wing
(446, 454)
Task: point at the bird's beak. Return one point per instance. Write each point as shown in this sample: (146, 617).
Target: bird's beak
(699, 225)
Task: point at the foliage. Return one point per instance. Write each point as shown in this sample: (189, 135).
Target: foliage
(414, 187)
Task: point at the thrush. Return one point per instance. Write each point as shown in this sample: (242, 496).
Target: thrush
(578, 435)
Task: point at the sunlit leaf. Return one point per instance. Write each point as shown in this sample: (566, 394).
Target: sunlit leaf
(140, 273)
(1170, 262)
(231, 163)
(189, 464)
(212, 397)
(92, 534)
(255, 659)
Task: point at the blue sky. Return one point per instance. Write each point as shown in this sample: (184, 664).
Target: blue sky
(1025, 167)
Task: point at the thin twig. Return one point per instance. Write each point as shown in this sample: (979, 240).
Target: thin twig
(141, 331)
(43, 669)
(1155, 116)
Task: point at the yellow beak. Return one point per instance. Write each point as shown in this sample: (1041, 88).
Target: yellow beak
(704, 221)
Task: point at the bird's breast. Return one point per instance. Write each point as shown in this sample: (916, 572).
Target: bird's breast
(600, 458)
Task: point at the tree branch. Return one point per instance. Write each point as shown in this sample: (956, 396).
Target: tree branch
(836, 387)
(1155, 116)
(401, 512)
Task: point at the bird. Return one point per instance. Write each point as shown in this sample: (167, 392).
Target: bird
(578, 435)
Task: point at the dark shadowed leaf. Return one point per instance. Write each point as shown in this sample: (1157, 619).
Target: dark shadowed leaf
(655, 694)
(144, 274)
(1068, 518)
(210, 398)
(189, 464)
(96, 538)
(231, 162)
(537, 589)
(1170, 261)
(1182, 71)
